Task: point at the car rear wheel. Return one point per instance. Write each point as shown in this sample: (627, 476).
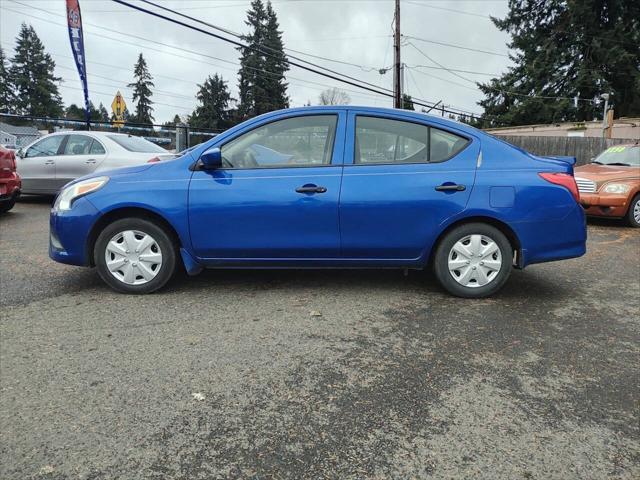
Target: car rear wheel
(633, 215)
(473, 260)
(134, 255)
(7, 205)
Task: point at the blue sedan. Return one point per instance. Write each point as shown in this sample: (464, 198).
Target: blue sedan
(327, 187)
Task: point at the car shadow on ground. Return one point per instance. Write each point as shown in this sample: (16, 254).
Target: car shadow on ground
(37, 199)
(608, 222)
(531, 283)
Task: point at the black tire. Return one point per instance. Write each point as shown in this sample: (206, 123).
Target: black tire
(8, 205)
(441, 261)
(630, 214)
(167, 246)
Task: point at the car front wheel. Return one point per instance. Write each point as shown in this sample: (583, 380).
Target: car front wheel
(134, 255)
(633, 216)
(473, 260)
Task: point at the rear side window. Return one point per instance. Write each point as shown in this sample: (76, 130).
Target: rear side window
(382, 140)
(136, 144)
(78, 145)
(96, 148)
(46, 147)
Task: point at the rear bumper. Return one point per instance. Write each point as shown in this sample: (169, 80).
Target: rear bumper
(553, 240)
(69, 231)
(605, 205)
(10, 188)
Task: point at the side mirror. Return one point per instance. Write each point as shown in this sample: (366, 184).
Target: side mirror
(212, 158)
(20, 153)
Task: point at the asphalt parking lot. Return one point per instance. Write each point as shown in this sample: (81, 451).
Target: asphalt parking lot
(330, 374)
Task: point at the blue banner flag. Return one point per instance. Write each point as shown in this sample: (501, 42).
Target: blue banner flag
(74, 21)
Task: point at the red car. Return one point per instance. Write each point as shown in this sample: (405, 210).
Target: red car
(10, 183)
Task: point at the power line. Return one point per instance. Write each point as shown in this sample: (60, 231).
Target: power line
(463, 12)
(452, 45)
(239, 36)
(376, 90)
(240, 44)
(174, 54)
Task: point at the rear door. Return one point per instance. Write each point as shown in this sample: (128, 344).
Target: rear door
(403, 179)
(37, 167)
(80, 156)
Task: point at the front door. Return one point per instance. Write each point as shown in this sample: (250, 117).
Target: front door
(37, 167)
(81, 155)
(402, 180)
(276, 196)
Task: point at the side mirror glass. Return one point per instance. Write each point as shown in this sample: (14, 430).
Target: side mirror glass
(211, 158)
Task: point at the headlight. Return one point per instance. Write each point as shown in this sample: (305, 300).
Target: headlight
(616, 188)
(68, 195)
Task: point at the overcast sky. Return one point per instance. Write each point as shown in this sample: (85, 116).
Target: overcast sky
(355, 31)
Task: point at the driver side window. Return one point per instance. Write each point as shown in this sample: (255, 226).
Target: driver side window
(46, 147)
(293, 142)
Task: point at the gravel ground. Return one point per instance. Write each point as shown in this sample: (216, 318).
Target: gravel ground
(330, 374)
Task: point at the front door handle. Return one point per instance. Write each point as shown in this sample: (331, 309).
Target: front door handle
(311, 189)
(450, 188)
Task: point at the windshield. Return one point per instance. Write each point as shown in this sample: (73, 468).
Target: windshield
(136, 144)
(620, 155)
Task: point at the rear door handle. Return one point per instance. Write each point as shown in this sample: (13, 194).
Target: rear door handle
(311, 189)
(450, 188)
(49, 162)
(91, 160)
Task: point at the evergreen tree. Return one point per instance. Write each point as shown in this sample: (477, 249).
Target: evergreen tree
(263, 63)
(103, 114)
(252, 62)
(213, 108)
(276, 63)
(142, 92)
(566, 48)
(407, 102)
(6, 86)
(73, 112)
(32, 76)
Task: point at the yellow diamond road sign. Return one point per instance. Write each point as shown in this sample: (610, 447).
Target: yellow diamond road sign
(118, 106)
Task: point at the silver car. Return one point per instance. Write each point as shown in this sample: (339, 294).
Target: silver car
(54, 160)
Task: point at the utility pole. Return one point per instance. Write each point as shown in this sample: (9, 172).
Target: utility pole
(605, 97)
(397, 78)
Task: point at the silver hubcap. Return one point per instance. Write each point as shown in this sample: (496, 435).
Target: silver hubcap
(636, 212)
(133, 257)
(474, 261)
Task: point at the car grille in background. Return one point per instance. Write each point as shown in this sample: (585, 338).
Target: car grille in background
(585, 185)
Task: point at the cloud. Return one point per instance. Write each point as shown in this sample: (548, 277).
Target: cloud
(356, 31)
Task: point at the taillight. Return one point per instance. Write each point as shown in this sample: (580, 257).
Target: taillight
(153, 160)
(564, 179)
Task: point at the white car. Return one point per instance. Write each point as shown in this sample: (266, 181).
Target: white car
(55, 159)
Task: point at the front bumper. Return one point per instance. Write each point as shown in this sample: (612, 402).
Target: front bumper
(69, 231)
(604, 205)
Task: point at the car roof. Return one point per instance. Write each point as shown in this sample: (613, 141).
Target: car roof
(407, 114)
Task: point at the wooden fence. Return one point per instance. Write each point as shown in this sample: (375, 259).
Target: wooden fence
(583, 148)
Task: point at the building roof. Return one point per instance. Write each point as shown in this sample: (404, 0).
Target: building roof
(16, 130)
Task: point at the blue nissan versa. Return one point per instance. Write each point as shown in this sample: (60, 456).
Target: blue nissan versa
(321, 187)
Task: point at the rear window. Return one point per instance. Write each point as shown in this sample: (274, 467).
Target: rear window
(136, 144)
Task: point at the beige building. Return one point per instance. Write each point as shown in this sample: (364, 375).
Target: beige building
(622, 128)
